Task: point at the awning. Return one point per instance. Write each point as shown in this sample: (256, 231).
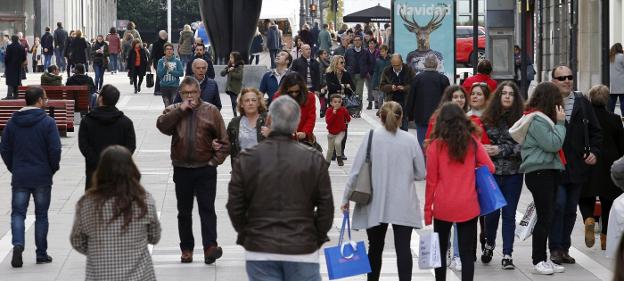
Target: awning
(373, 14)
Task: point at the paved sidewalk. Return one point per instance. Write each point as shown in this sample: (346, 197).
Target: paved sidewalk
(152, 157)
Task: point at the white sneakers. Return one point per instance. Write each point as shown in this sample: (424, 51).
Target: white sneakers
(548, 268)
(456, 264)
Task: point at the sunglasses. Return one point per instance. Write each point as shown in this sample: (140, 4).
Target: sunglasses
(341, 62)
(563, 78)
(294, 92)
(479, 84)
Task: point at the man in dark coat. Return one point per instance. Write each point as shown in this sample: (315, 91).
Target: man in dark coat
(274, 42)
(200, 53)
(81, 78)
(208, 87)
(308, 68)
(104, 126)
(60, 37)
(395, 83)
(425, 94)
(158, 51)
(31, 151)
(47, 43)
(14, 60)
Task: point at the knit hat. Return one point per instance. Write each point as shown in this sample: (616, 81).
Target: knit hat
(617, 173)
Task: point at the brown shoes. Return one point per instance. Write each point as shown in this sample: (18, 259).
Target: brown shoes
(590, 238)
(212, 253)
(187, 256)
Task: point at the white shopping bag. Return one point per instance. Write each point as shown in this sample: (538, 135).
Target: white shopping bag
(524, 229)
(429, 250)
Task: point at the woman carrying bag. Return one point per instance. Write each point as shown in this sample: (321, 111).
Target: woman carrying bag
(451, 196)
(397, 162)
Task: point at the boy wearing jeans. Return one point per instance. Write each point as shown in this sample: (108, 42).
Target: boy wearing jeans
(337, 117)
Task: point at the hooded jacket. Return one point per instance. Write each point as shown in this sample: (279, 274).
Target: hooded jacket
(49, 79)
(31, 148)
(81, 79)
(541, 141)
(102, 127)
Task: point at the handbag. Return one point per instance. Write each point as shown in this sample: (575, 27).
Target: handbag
(348, 258)
(352, 101)
(363, 190)
(429, 250)
(149, 80)
(311, 142)
(490, 196)
(524, 229)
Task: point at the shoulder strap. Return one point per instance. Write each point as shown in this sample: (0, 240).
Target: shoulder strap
(368, 148)
(587, 147)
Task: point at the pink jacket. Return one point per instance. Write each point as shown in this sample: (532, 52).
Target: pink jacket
(451, 194)
(114, 43)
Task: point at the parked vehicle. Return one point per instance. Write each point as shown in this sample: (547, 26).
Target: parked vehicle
(463, 44)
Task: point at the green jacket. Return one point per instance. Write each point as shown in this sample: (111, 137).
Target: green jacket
(234, 81)
(541, 146)
(49, 79)
(380, 65)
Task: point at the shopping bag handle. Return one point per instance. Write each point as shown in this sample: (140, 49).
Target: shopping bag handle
(346, 224)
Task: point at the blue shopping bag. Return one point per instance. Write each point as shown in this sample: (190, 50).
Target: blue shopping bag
(348, 258)
(490, 196)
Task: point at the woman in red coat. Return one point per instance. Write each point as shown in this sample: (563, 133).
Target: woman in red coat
(294, 86)
(451, 196)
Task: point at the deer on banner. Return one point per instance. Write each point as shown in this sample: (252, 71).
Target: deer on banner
(416, 58)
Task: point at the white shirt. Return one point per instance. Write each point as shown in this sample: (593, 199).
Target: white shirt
(260, 256)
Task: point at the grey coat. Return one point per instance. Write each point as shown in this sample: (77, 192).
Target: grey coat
(616, 76)
(397, 162)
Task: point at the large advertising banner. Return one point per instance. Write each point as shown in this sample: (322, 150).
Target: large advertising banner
(423, 27)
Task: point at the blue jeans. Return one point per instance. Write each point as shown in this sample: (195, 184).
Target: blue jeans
(60, 59)
(613, 101)
(185, 59)
(511, 187)
(47, 60)
(99, 75)
(113, 64)
(19, 207)
(564, 216)
(272, 55)
(282, 271)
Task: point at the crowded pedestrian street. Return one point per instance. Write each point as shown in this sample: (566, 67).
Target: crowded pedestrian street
(152, 156)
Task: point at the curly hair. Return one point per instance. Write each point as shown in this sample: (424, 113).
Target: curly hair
(262, 108)
(455, 130)
(495, 112)
(447, 96)
(545, 98)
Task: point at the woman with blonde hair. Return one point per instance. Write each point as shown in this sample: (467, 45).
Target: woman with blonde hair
(339, 81)
(247, 129)
(398, 162)
(185, 45)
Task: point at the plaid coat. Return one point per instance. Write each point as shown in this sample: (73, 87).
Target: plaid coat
(111, 253)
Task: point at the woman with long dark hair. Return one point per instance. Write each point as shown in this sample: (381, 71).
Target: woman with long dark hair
(503, 111)
(137, 64)
(541, 132)
(451, 197)
(294, 86)
(616, 77)
(116, 220)
(234, 71)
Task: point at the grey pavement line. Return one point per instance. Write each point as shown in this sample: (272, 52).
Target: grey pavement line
(6, 245)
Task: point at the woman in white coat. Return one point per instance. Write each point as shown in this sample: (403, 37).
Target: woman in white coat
(397, 162)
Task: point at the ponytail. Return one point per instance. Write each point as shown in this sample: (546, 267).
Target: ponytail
(391, 114)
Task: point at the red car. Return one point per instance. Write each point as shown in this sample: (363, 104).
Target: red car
(463, 44)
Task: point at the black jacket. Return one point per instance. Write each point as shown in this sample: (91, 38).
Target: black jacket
(60, 38)
(334, 86)
(210, 73)
(47, 42)
(144, 63)
(100, 128)
(612, 148)
(289, 212)
(233, 130)
(158, 51)
(576, 171)
(81, 79)
(300, 66)
(14, 57)
(425, 94)
(78, 50)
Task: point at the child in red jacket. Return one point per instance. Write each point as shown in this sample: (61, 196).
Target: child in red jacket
(337, 117)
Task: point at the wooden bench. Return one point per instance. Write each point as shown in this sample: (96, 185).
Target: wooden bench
(79, 94)
(61, 109)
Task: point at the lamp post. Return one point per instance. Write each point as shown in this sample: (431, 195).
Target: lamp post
(169, 20)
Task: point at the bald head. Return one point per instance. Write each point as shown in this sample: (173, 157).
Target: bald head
(396, 61)
(306, 51)
(199, 67)
(163, 35)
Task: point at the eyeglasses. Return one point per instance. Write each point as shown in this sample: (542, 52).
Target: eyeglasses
(188, 94)
(563, 78)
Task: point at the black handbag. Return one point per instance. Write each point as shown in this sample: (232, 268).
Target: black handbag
(352, 102)
(149, 80)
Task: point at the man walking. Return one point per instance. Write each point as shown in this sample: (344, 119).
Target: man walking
(425, 93)
(158, 51)
(282, 219)
(31, 150)
(14, 60)
(209, 88)
(200, 53)
(102, 127)
(324, 39)
(195, 126)
(353, 60)
(60, 38)
(395, 83)
(308, 68)
(47, 43)
(580, 147)
(271, 80)
(274, 42)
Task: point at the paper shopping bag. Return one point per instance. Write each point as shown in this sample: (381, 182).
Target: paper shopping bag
(429, 250)
(524, 229)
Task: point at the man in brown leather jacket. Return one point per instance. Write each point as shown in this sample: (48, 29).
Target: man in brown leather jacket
(195, 126)
(280, 201)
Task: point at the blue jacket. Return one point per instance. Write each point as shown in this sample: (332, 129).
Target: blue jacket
(31, 148)
(209, 93)
(169, 75)
(269, 85)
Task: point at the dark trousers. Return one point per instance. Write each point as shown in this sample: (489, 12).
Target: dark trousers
(200, 183)
(564, 216)
(233, 98)
(137, 79)
(543, 184)
(89, 177)
(511, 187)
(11, 92)
(272, 54)
(376, 239)
(613, 100)
(467, 234)
(168, 95)
(587, 204)
(252, 57)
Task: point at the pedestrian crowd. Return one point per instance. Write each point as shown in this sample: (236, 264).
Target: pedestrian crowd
(566, 146)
